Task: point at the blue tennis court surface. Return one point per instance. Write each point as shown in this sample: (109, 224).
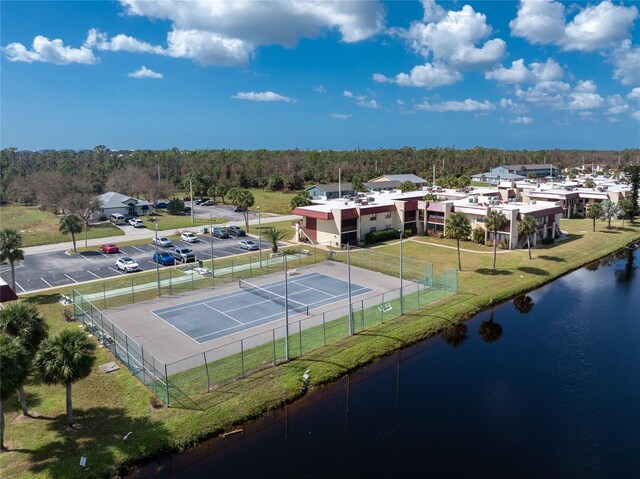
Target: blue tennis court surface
(215, 317)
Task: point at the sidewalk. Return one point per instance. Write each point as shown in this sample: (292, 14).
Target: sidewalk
(140, 234)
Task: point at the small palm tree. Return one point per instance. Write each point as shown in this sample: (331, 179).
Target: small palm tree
(245, 199)
(10, 242)
(70, 224)
(14, 368)
(65, 359)
(589, 183)
(458, 226)
(528, 227)
(495, 221)
(274, 235)
(594, 211)
(609, 211)
(23, 321)
(301, 199)
(408, 186)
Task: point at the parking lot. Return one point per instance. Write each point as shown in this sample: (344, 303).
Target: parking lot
(47, 270)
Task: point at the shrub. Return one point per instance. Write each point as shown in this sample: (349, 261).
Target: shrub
(383, 235)
(478, 235)
(549, 239)
(504, 244)
(102, 218)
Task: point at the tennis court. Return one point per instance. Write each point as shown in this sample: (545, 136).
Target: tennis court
(250, 306)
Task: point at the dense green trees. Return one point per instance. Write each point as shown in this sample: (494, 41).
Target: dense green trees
(301, 199)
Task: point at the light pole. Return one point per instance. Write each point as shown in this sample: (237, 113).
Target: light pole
(192, 202)
(213, 269)
(155, 224)
(259, 236)
(349, 289)
(286, 308)
(401, 234)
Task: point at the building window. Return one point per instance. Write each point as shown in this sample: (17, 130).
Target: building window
(387, 214)
(387, 227)
(372, 229)
(373, 217)
(480, 219)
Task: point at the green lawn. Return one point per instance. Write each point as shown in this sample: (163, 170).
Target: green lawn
(38, 227)
(272, 201)
(110, 405)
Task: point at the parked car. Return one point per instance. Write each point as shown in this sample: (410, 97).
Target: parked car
(201, 200)
(164, 242)
(240, 209)
(183, 255)
(188, 237)
(220, 233)
(109, 248)
(208, 203)
(164, 258)
(186, 198)
(136, 223)
(249, 245)
(160, 205)
(236, 231)
(187, 210)
(127, 265)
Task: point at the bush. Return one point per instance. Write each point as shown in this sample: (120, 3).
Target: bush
(549, 239)
(383, 235)
(478, 235)
(504, 244)
(102, 218)
(176, 206)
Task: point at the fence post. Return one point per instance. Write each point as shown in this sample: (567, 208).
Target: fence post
(104, 295)
(166, 382)
(273, 333)
(381, 308)
(242, 355)
(324, 329)
(362, 314)
(250, 270)
(192, 286)
(133, 299)
(232, 268)
(206, 368)
(300, 336)
(126, 346)
(170, 282)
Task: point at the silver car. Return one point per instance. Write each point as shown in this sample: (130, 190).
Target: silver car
(127, 265)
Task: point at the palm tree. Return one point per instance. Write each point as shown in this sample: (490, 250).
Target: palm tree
(594, 211)
(528, 226)
(589, 183)
(609, 211)
(14, 368)
(274, 235)
(455, 335)
(301, 199)
(245, 199)
(70, 224)
(23, 321)
(523, 303)
(65, 359)
(408, 186)
(232, 194)
(10, 242)
(458, 226)
(495, 221)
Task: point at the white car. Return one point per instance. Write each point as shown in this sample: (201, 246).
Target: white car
(248, 245)
(136, 223)
(164, 242)
(127, 265)
(188, 237)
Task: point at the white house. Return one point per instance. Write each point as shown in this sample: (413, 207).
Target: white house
(113, 202)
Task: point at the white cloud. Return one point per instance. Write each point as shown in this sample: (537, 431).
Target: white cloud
(466, 105)
(228, 33)
(584, 97)
(593, 27)
(50, 51)
(144, 72)
(373, 104)
(524, 120)
(617, 105)
(520, 73)
(634, 94)
(636, 115)
(347, 94)
(626, 60)
(340, 116)
(120, 42)
(613, 119)
(262, 96)
(512, 106)
(424, 76)
(546, 93)
(320, 89)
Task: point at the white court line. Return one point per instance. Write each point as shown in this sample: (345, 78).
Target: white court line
(99, 277)
(46, 282)
(18, 285)
(224, 314)
(117, 271)
(70, 278)
(244, 324)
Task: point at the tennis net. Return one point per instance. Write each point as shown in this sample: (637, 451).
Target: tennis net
(296, 306)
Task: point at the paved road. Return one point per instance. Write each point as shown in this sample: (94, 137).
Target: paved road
(56, 268)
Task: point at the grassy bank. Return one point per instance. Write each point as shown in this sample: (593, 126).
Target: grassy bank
(109, 406)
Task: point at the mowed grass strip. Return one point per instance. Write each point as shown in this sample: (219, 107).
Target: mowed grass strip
(108, 406)
(40, 227)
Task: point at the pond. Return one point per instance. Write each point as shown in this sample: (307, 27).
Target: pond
(547, 385)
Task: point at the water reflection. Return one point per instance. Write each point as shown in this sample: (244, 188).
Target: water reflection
(489, 330)
(523, 304)
(455, 335)
(625, 275)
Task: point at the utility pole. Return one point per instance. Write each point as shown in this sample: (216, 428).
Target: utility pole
(192, 202)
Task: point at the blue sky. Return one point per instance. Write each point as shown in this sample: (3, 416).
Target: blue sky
(135, 74)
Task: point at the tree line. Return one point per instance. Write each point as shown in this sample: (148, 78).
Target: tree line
(44, 176)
